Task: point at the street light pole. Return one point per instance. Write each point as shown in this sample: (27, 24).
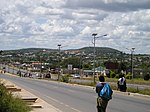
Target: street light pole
(59, 45)
(132, 50)
(94, 39)
(94, 35)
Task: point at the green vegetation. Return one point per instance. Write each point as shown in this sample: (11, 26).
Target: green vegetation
(134, 90)
(146, 77)
(130, 81)
(8, 103)
(65, 78)
(72, 60)
(114, 87)
(83, 59)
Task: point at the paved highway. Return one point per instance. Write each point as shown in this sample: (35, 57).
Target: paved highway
(73, 98)
(14, 71)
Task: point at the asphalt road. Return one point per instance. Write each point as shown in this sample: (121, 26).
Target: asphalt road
(74, 98)
(136, 86)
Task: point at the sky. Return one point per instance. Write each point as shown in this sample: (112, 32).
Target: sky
(71, 23)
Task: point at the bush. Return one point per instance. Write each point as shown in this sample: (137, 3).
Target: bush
(117, 76)
(146, 77)
(108, 75)
(128, 76)
(65, 78)
(112, 74)
(8, 103)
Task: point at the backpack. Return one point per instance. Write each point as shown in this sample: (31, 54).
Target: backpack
(121, 81)
(106, 92)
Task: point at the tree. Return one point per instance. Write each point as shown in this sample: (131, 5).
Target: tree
(1, 52)
(87, 66)
(75, 61)
(122, 67)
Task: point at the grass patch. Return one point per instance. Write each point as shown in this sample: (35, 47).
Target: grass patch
(83, 83)
(132, 81)
(114, 87)
(134, 90)
(129, 81)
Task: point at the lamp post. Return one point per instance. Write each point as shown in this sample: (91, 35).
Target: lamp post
(42, 63)
(59, 45)
(94, 39)
(131, 50)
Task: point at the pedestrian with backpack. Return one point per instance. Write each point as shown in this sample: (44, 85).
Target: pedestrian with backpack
(104, 94)
(122, 83)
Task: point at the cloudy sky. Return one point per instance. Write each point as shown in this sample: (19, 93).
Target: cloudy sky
(71, 23)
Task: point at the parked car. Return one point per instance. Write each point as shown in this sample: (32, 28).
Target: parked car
(76, 76)
(48, 75)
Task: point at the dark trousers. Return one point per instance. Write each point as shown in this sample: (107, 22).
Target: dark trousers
(101, 105)
(122, 88)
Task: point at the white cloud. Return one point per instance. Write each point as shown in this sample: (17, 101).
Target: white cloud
(86, 30)
(26, 23)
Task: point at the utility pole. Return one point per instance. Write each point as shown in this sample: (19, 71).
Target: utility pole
(132, 50)
(59, 70)
(94, 39)
(94, 35)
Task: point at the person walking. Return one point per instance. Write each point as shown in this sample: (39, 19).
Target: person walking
(101, 102)
(122, 83)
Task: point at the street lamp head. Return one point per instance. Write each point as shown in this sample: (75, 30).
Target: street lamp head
(59, 45)
(105, 35)
(94, 34)
(133, 48)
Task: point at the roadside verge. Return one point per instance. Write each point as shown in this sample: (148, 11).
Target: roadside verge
(37, 104)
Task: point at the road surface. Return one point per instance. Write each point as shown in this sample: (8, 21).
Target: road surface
(14, 71)
(74, 98)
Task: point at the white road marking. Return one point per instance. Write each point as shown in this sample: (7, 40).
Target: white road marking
(67, 105)
(71, 91)
(53, 99)
(59, 101)
(63, 104)
(76, 110)
(55, 87)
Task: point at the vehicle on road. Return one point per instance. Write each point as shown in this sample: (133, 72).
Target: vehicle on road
(48, 75)
(76, 76)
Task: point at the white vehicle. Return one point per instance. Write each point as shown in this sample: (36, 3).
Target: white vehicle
(76, 76)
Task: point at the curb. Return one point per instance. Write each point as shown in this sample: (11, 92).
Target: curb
(132, 94)
(38, 106)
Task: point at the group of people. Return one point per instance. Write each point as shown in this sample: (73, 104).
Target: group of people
(101, 102)
(3, 70)
(25, 74)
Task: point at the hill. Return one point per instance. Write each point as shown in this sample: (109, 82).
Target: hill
(28, 50)
(99, 50)
(88, 50)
